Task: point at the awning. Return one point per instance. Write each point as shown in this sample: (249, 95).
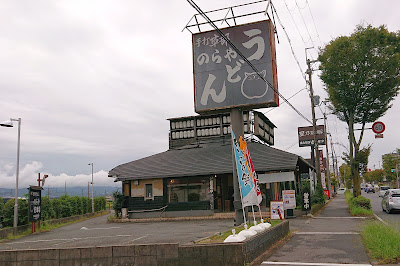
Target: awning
(276, 177)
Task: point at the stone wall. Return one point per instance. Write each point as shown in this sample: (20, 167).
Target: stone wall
(153, 254)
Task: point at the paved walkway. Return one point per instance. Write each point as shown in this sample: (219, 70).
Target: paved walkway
(331, 238)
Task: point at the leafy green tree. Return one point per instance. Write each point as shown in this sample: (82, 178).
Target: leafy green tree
(8, 211)
(47, 210)
(391, 161)
(99, 204)
(345, 173)
(374, 176)
(318, 197)
(362, 76)
(1, 211)
(74, 202)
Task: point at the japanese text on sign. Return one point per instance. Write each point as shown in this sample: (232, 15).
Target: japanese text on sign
(223, 79)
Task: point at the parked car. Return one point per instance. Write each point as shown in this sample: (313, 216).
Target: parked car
(341, 190)
(391, 200)
(382, 190)
(370, 190)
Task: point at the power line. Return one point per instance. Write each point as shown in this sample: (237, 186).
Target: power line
(290, 13)
(288, 99)
(305, 24)
(191, 2)
(315, 26)
(290, 43)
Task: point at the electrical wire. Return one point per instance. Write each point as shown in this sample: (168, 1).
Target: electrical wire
(305, 24)
(290, 43)
(287, 98)
(315, 26)
(295, 24)
(191, 2)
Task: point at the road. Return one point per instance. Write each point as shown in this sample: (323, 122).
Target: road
(97, 232)
(393, 218)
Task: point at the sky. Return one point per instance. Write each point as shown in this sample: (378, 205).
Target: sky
(95, 82)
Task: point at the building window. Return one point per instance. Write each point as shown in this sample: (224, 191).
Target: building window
(149, 190)
(188, 189)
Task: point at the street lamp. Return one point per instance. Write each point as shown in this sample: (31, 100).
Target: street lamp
(92, 188)
(9, 123)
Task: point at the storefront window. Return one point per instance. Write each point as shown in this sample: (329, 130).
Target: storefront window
(188, 189)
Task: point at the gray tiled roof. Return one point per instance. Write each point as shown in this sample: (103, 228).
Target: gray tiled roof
(206, 160)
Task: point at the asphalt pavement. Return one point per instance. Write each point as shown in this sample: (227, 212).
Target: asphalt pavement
(330, 238)
(97, 232)
(393, 219)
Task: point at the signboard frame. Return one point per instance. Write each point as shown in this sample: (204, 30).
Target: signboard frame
(35, 203)
(274, 207)
(223, 80)
(289, 199)
(306, 135)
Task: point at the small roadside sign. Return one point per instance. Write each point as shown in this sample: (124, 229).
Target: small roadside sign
(378, 127)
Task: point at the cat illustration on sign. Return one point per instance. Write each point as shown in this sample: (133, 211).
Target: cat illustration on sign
(253, 87)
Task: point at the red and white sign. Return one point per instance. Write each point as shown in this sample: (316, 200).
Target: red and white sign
(289, 199)
(326, 193)
(378, 127)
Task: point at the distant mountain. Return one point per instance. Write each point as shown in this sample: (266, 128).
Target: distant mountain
(56, 192)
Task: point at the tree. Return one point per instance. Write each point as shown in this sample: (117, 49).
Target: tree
(374, 176)
(345, 173)
(362, 76)
(389, 162)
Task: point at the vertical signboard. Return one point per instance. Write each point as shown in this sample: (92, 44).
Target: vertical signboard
(277, 210)
(223, 80)
(306, 200)
(289, 199)
(35, 202)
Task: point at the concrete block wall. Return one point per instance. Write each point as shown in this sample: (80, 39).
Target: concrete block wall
(152, 254)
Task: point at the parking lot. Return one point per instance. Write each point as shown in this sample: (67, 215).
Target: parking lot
(97, 232)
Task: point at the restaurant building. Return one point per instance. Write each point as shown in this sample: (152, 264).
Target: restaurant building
(194, 176)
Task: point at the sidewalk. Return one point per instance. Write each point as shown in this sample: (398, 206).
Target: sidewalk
(330, 238)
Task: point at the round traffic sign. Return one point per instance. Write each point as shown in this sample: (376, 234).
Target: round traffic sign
(378, 127)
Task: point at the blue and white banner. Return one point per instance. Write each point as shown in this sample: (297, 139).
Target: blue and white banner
(246, 184)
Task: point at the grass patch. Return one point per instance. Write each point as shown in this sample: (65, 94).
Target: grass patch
(221, 236)
(316, 207)
(359, 206)
(382, 242)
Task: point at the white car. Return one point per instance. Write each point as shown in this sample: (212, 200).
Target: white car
(341, 190)
(382, 190)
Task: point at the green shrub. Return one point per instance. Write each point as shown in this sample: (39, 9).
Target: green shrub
(99, 203)
(361, 202)
(318, 197)
(359, 206)
(118, 203)
(8, 212)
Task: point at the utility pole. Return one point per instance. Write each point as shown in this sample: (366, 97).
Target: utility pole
(316, 148)
(327, 158)
(237, 127)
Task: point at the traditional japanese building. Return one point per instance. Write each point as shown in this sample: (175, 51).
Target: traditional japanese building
(194, 176)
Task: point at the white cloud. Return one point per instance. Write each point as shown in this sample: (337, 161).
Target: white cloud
(29, 173)
(96, 83)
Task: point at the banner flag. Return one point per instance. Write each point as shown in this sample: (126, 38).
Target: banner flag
(253, 174)
(246, 183)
